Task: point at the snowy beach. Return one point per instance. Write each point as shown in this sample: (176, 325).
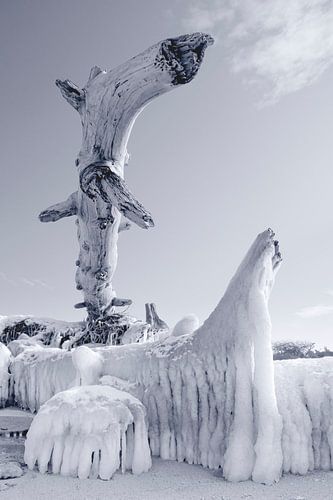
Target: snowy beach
(167, 480)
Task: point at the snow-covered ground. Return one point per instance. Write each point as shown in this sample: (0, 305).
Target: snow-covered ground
(167, 480)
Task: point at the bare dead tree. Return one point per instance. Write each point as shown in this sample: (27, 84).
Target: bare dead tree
(108, 106)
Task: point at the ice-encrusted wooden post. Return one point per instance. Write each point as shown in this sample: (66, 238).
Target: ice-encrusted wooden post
(108, 106)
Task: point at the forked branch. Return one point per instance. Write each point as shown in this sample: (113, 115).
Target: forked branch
(99, 180)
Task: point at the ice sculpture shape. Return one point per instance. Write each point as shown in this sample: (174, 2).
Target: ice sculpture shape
(89, 431)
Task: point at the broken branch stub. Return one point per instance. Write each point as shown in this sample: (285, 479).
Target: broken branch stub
(60, 210)
(153, 319)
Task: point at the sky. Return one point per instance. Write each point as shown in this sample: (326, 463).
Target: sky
(247, 145)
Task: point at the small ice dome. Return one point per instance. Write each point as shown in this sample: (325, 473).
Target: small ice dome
(187, 325)
(89, 431)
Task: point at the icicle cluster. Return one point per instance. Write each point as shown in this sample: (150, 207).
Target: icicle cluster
(305, 401)
(211, 396)
(89, 431)
(5, 356)
(38, 374)
(198, 388)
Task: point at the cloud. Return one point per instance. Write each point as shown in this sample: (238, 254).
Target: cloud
(35, 282)
(7, 280)
(24, 281)
(27, 282)
(315, 311)
(282, 46)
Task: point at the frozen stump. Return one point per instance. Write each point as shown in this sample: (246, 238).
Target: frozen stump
(89, 431)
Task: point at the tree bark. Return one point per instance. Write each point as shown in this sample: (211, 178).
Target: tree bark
(108, 106)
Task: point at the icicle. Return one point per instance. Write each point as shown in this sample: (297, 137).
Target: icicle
(83, 432)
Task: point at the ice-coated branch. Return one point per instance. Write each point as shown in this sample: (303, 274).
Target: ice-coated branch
(63, 209)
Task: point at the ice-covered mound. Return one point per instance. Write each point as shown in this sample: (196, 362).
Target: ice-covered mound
(209, 395)
(88, 364)
(89, 431)
(185, 326)
(5, 356)
(48, 331)
(24, 343)
(38, 374)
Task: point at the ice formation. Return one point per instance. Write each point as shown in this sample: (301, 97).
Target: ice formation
(89, 431)
(305, 401)
(197, 388)
(23, 343)
(138, 332)
(88, 364)
(185, 326)
(38, 374)
(5, 356)
(48, 331)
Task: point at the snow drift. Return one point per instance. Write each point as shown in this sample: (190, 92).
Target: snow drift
(89, 431)
(200, 389)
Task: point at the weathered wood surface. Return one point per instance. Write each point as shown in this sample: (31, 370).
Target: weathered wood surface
(63, 209)
(108, 106)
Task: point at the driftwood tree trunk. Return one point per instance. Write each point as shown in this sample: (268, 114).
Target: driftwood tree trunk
(108, 106)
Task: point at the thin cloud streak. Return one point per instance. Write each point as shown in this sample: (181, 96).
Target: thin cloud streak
(315, 311)
(4, 277)
(280, 46)
(24, 281)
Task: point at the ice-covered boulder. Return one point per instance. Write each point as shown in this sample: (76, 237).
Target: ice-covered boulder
(23, 343)
(89, 431)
